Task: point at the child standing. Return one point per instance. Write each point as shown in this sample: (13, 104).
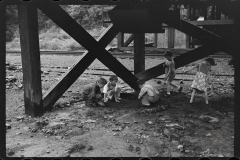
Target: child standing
(201, 78)
(92, 94)
(170, 73)
(148, 94)
(111, 89)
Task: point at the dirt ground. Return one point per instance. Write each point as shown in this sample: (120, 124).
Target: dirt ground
(122, 129)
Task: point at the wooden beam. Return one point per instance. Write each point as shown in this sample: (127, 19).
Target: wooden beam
(205, 12)
(139, 52)
(213, 12)
(129, 40)
(188, 18)
(237, 81)
(171, 36)
(155, 40)
(120, 39)
(28, 28)
(116, 2)
(3, 75)
(180, 61)
(218, 11)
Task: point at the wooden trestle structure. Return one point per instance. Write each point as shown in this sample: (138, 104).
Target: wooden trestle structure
(145, 15)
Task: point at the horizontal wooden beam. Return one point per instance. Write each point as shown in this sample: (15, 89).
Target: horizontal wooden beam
(126, 2)
(158, 50)
(203, 23)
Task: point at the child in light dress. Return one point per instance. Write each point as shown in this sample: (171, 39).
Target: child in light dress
(111, 89)
(202, 78)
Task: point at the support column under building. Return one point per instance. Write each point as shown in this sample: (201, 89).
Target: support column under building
(28, 27)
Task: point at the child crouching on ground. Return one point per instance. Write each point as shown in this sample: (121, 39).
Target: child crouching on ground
(202, 78)
(111, 89)
(92, 94)
(148, 94)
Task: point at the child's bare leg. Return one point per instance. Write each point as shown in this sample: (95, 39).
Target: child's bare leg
(192, 96)
(206, 97)
(117, 93)
(168, 87)
(176, 86)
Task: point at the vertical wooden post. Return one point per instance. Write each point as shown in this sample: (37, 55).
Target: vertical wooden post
(188, 18)
(205, 12)
(120, 39)
(171, 36)
(218, 12)
(139, 52)
(236, 79)
(3, 72)
(213, 12)
(28, 27)
(155, 39)
(194, 14)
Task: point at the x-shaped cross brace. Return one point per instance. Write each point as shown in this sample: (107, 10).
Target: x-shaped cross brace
(95, 50)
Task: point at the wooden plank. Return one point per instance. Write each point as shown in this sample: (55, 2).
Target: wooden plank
(122, 2)
(120, 39)
(139, 52)
(188, 18)
(180, 61)
(28, 27)
(213, 11)
(155, 40)
(171, 36)
(129, 40)
(218, 11)
(3, 75)
(237, 81)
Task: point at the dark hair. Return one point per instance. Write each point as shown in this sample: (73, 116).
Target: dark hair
(168, 53)
(211, 61)
(102, 81)
(113, 77)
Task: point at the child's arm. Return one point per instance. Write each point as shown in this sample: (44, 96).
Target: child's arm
(142, 92)
(105, 97)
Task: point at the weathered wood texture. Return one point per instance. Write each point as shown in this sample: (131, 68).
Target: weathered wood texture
(129, 40)
(28, 27)
(171, 36)
(120, 39)
(96, 49)
(3, 74)
(237, 80)
(155, 40)
(188, 38)
(139, 52)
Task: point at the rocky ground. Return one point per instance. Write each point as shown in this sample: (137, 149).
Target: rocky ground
(123, 129)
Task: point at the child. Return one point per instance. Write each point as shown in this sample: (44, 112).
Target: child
(170, 73)
(111, 89)
(201, 78)
(148, 94)
(92, 93)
